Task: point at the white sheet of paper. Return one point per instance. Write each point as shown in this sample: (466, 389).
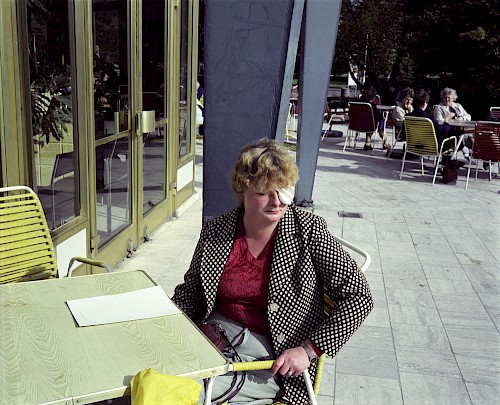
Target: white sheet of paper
(141, 304)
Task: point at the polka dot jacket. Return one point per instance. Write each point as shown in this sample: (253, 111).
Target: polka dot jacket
(306, 257)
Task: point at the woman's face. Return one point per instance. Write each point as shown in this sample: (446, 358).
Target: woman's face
(447, 99)
(263, 207)
(407, 101)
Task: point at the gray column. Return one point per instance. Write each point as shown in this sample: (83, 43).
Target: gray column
(291, 57)
(320, 33)
(246, 45)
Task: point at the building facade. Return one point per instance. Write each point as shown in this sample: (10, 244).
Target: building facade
(97, 115)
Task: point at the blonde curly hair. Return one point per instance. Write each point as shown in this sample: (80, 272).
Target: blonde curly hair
(265, 165)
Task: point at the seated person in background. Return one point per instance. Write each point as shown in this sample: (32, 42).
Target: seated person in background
(421, 101)
(370, 96)
(447, 110)
(403, 107)
(105, 98)
(259, 271)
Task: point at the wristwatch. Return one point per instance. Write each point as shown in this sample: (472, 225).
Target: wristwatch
(309, 352)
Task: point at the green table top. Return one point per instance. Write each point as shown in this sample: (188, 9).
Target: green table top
(45, 357)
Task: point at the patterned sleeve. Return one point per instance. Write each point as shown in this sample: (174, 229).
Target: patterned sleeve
(189, 295)
(345, 284)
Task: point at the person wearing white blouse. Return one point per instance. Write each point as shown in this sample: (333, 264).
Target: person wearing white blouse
(448, 109)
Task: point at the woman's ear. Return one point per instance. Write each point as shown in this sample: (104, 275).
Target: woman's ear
(241, 197)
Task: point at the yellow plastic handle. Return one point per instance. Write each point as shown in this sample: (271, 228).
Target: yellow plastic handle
(253, 365)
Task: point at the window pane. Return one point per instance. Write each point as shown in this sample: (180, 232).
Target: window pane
(111, 112)
(51, 110)
(184, 139)
(153, 98)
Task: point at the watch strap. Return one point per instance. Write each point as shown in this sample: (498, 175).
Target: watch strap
(308, 351)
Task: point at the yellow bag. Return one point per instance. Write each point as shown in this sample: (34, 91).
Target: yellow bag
(152, 388)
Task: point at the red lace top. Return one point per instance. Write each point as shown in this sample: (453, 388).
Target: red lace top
(244, 284)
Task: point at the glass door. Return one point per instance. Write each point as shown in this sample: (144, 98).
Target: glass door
(113, 129)
(130, 98)
(154, 100)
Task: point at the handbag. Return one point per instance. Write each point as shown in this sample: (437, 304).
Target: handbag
(450, 171)
(215, 333)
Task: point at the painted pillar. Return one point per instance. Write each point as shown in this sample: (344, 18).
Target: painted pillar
(246, 44)
(250, 51)
(319, 36)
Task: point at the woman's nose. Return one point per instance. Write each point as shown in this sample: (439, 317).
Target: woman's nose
(274, 198)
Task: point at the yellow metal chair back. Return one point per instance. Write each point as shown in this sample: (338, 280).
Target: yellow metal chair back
(421, 140)
(420, 136)
(26, 248)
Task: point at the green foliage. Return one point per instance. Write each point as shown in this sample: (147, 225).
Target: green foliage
(425, 44)
(50, 86)
(49, 108)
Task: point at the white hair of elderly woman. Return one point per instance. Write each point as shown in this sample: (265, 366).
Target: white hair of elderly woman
(448, 91)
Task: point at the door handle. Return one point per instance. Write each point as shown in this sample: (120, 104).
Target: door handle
(146, 122)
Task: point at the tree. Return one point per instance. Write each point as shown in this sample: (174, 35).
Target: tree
(458, 46)
(368, 35)
(425, 44)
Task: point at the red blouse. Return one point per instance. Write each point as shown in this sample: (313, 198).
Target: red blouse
(244, 284)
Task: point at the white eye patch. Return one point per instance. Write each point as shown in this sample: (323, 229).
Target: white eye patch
(286, 194)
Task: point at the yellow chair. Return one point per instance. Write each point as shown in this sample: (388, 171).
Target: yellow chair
(26, 248)
(329, 304)
(421, 140)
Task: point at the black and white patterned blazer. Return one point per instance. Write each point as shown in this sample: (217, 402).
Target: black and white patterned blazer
(305, 257)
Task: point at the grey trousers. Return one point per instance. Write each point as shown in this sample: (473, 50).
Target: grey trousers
(260, 387)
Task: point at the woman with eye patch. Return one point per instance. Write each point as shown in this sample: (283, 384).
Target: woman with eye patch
(258, 274)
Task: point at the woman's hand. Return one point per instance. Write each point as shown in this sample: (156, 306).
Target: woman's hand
(449, 117)
(293, 360)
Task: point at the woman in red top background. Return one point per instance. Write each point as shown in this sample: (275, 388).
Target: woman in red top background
(259, 271)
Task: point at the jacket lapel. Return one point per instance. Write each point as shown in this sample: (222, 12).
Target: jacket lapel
(286, 250)
(218, 247)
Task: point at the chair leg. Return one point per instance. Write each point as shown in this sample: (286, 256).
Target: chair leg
(402, 166)
(422, 165)
(348, 134)
(468, 174)
(328, 126)
(489, 168)
(436, 169)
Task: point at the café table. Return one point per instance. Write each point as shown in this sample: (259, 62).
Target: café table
(47, 358)
(382, 107)
(462, 123)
